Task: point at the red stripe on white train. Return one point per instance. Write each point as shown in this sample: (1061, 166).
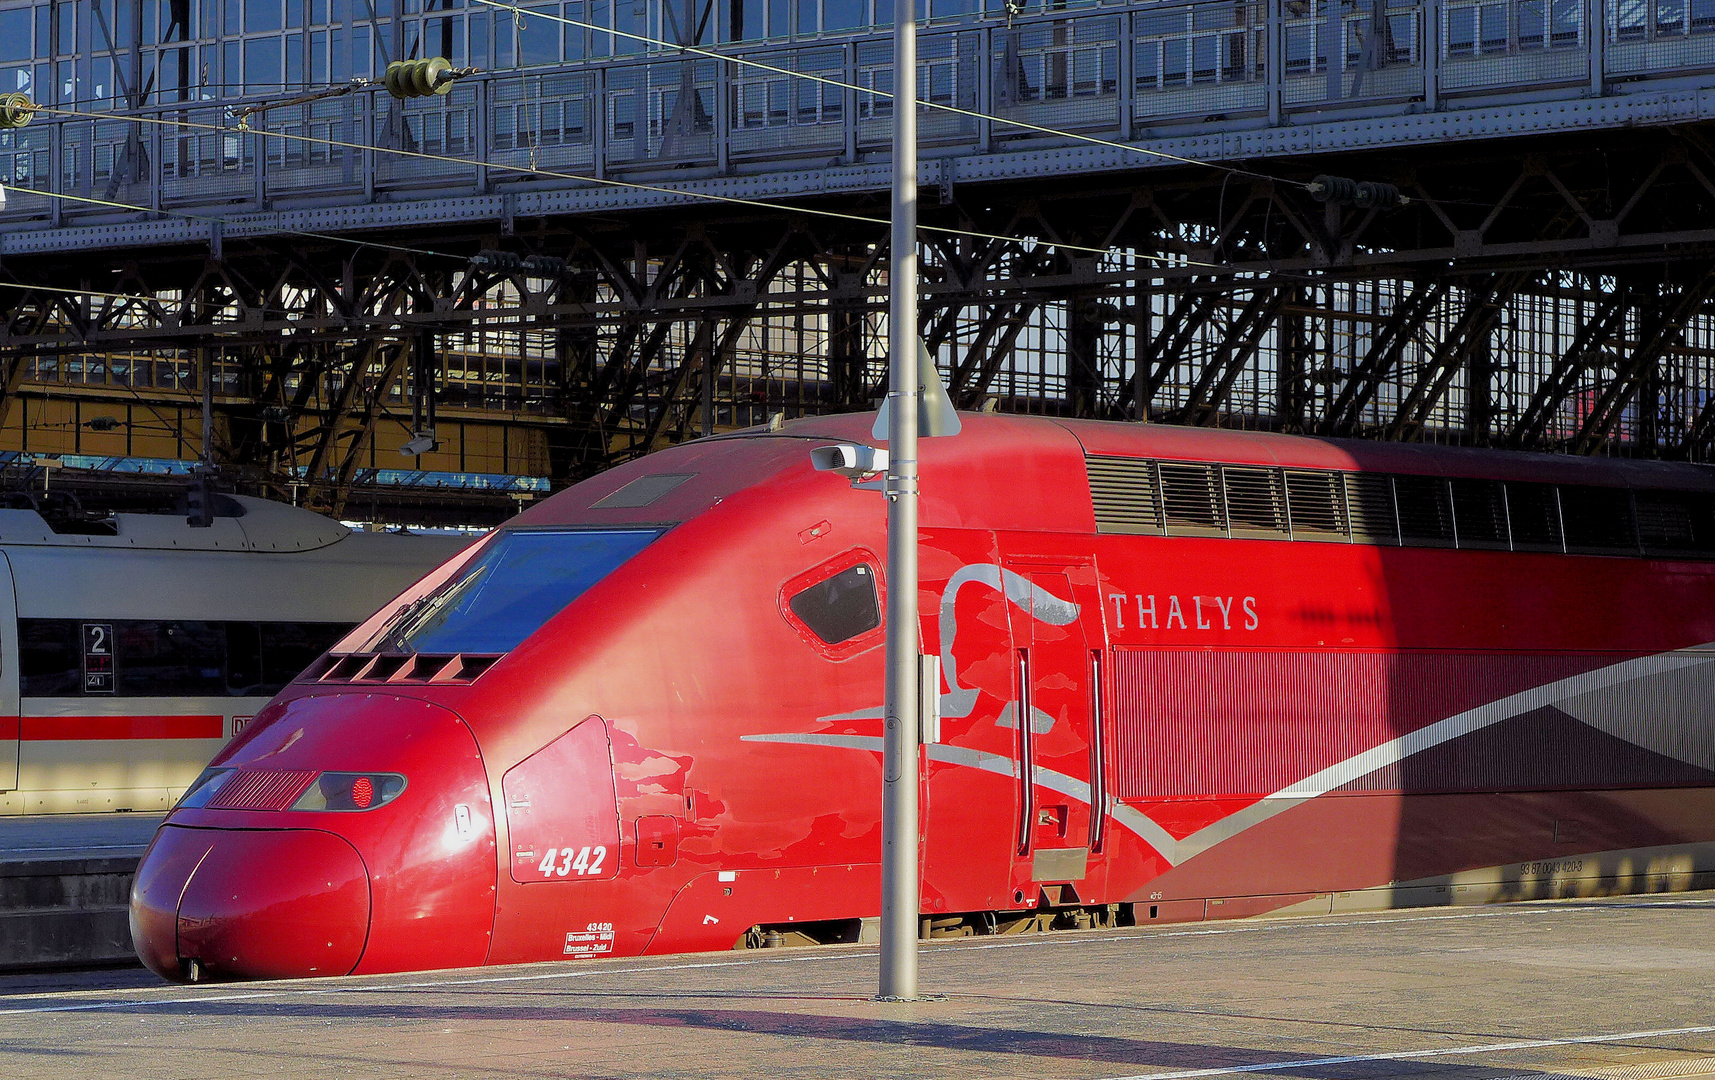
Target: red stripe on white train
(99, 728)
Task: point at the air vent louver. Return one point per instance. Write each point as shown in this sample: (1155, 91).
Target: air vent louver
(1598, 521)
(1480, 514)
(262, 789)
(1425, 510)
(1676, 522)
(1370, 508)
(395, 668)
(1533, 513)
(1123, 492)
(1317, 505)
(1191, 500)
(1256, 501)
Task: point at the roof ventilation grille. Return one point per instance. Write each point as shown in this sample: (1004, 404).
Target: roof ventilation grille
(1124, 493)
(398, 668)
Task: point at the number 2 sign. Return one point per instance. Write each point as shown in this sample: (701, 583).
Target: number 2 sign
(98, 658)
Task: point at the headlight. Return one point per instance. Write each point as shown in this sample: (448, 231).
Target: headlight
(350, 791)
(207, 786)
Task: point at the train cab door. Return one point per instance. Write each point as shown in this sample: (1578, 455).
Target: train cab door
(1057, 853)
(9, 710)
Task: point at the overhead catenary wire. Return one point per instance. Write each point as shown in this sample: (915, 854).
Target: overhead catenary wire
(675, 192)
(1167, 262)
(322, 236)
(696, 50)
(115, 204)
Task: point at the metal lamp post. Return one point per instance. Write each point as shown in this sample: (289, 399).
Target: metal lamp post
(899, 886)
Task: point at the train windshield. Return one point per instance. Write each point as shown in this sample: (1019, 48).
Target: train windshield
(519, 582)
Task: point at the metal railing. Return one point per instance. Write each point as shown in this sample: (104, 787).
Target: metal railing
(1123, 73)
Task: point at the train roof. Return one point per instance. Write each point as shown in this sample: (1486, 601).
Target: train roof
(1170, 442)
(1016, 472)
(257, 525)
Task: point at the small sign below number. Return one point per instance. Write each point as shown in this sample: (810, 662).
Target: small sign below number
(98, 658)
(594, 940)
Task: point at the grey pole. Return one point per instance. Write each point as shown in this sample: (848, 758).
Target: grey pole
(899, 891)
(207, 454)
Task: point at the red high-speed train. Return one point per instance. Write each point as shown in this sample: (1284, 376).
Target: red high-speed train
(1185, 674)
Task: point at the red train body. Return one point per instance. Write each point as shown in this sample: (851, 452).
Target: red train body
(1241, 671)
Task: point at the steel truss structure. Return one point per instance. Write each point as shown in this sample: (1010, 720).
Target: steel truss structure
(1546, 291)
(1534, 307)
(1558, 300)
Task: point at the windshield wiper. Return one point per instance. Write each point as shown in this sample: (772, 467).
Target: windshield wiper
(414, 615)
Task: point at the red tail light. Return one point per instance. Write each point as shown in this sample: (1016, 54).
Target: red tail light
(350, 791)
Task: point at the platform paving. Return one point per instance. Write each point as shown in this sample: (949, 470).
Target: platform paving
(65, 888)
(1611, 989)
(75, 836)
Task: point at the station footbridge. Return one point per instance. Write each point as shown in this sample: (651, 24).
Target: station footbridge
(632, 222)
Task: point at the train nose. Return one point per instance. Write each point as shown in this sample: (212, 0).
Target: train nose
(250, 904)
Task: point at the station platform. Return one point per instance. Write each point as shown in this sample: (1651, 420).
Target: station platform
(65, 888)
(1613, 989)
(76, 836)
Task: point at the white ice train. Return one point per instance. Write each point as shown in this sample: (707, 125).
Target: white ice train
(134, 645)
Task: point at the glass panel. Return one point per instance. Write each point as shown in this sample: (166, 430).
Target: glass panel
(508, 590)
(261, 65)
(1461, 31)
(629, 16)
(173, 658)
(1203, 57)
(50, 658)
(15, 34)
(841, 607)
(1148, 64)
(1301, 48)
(1401, 46)
(748, 20)
(1479, 513)
(842, 14)
(261, 15)
(538, 42)
(1630, 17)
(1532, 24)
(1494, 28)
(479, 39)
(1174, 63)
(287, 649)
